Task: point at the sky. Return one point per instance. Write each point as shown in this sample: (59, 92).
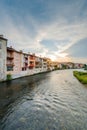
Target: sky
(50, 28)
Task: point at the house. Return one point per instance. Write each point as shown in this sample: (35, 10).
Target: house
(3, 55)
(49, 64)
(13, 61)
(44, 64)
(38, 62)
(31, 61)
(24, 61)
(10, 59)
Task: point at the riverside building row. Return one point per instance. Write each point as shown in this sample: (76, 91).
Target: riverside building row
(18, 64)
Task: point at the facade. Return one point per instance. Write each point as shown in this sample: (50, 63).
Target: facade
(38, 62)
(31, 61)
(55, 65)
(17, 62)
(3, 55)
(24, 61)
(13, 61)
(49, 64)
(44, 64)
(10, 59)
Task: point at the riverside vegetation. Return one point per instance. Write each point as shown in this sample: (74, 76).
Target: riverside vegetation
(81, 76)
(9, 77)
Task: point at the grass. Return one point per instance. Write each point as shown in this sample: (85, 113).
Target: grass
(81, 76)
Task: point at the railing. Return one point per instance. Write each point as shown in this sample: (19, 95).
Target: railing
(31, 58)
(32, 65)
(10, 57)
(10, 64)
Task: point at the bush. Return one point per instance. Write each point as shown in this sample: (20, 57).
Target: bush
(9, 77)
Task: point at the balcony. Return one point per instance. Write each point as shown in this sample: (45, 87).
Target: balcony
(10, 57)
(10, 64)
(32, 58)
(37, 66)
(38, 60)
(31, 66)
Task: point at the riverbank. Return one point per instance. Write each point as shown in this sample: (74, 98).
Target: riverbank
(81, 76)
(24, 74)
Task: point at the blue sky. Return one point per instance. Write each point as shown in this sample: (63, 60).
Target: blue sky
(51, 28)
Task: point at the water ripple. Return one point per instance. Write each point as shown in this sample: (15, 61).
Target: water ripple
(52, 101)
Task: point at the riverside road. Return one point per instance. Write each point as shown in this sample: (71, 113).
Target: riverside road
(49, 101)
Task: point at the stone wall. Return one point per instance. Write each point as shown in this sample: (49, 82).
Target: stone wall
(3, 56)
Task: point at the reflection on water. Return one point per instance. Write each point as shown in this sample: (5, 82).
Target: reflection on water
(50, 101)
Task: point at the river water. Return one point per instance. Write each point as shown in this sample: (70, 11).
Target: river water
(49, 101)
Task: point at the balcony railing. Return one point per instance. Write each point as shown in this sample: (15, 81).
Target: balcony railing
(10, 64)
(32, 65)
(10, 57)
(31, 58)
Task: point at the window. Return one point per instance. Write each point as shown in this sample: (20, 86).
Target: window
(9, 68)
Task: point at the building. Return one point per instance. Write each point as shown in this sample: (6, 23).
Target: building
(3, 55)
(49, 64)
(13, 61)
(31, 61)
(10, 59)
(17, 62)
(24, 61)
(44, 64)
(38, 62)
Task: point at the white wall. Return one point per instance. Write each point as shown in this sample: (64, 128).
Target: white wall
(28, 72)
(3, 56)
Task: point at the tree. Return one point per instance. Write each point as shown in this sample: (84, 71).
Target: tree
(85, 67)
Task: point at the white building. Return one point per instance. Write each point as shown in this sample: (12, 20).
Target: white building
(3, 56)
(44, 64)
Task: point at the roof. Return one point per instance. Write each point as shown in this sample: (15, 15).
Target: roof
(12, 49)
(2, 38)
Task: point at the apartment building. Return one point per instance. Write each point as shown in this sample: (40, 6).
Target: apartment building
(44, 63)
(24, 61)
(3, 55)
(49, 64)
(10, 59)
(38, 62)
(31, 61)
(17, 62)
(13, 61)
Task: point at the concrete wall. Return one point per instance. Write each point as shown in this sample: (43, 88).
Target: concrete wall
(3, 56)
(28, 72)
(17, 63)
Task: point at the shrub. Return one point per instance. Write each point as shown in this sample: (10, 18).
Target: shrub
(9, 77)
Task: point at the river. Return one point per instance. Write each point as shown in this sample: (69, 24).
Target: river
(48, 101)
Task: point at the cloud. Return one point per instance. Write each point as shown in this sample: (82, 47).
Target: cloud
(48, 28)
(79, 49)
